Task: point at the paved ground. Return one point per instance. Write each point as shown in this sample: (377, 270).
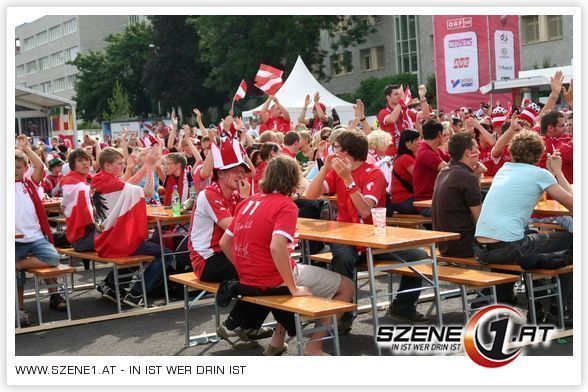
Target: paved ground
(162, 333)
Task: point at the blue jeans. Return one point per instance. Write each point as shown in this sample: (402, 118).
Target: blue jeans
(153, 273)
(345, 258)
(41, 249)
(406, 207)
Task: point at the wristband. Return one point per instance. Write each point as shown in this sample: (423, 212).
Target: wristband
(363, 119)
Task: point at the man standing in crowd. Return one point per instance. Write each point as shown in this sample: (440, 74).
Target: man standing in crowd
(359, 187)
(277, 119)
(319, 118)
(428, 163)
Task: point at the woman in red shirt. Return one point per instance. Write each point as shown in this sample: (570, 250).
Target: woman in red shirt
(402, 191)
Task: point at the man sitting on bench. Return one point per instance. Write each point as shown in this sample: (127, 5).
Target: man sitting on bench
(257, 242)
(359, 187)
(213, 213)
(122, 221)
(516, 189)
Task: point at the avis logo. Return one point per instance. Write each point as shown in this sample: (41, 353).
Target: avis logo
(487, 332)
(455, 83)
(461, 62)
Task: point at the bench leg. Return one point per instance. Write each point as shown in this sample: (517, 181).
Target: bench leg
(560, 306)
(186, 318)
(16, 300)
(335, 333)
(116, 288)
(435, 277)
(163, 269)
(38, 299)
(464, 302)
(216, 314)
(142, 270)
(373, 298)
(355, 292)
(531, 297)
(299, 336)
(66, 294)
(94, 272)
(494, 295)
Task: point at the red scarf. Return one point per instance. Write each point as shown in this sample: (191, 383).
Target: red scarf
(39, 209)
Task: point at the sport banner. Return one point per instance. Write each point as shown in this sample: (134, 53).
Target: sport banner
(465, 57)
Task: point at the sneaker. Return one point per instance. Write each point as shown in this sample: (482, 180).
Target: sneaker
(108, 292)
(238, 338)
(411, 318)
(57, 302)
(272, 351)
(135, 300)
(260, 333)
(24, 319)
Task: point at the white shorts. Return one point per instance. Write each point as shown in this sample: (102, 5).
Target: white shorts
(321, 282)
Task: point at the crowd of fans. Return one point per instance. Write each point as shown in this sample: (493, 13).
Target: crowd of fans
(250, 181)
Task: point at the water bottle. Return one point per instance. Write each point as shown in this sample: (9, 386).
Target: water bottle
(193, 192)
(176, 206)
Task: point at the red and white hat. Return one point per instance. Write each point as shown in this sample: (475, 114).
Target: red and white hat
(499, 116)
(530, 113)
(229, 155)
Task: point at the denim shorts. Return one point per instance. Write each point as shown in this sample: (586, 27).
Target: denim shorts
(41, 249)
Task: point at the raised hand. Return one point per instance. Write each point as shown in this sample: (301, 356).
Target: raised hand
(422, 90)
(238, 123)
(197, 113)
(317, 97)
(23, 142)
(569, 93)
(557, 82)
(307, 100)
(342, 167)
(554, 162)
(329, 161)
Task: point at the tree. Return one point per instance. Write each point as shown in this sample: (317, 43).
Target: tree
(118, 105)
(371, 91)
(235, 46)
(94, 85)
(175, 73)
(432, 90)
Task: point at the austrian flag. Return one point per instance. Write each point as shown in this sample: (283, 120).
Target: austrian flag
(240, 94)
(268, 79)
(77, 205)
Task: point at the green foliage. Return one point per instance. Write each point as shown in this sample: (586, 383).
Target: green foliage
(94, 85)
(118, 105)
(371, 91)
(235, 45)
(431, 90)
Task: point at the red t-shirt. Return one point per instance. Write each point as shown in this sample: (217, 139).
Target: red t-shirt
(565, 145)
(425, 172)
(287, 152)
(401, 165)
(256, 220)
(372, 184)
(211, 207)
(278, 124)
(393, 129)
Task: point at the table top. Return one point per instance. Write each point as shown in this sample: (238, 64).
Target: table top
(485, 182)
(364, 235)
(165, 215)
(323, 198)
(52, 202)
(18, 235)
(548, 207)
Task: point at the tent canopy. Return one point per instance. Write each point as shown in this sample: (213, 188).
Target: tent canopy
(299, 84)
(39, 101)
(531, 78)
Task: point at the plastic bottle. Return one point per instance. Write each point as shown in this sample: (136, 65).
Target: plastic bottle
(176, 206)
(193, 192)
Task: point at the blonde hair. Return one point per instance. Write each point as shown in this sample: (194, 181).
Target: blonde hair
(109, 155)
(21, 156)
(280, 137)
(335, 133)
(300, 127)
(379, 138)
(306, 136)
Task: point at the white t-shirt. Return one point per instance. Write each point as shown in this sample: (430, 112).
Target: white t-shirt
(27, 222)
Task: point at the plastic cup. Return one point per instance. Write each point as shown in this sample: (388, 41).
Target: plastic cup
(379, 219)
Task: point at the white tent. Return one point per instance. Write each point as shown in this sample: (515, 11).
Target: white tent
(299, 84)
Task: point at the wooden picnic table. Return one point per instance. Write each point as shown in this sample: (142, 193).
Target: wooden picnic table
(485, 182)
(52, 204)
(18, 235)
(548, 207)
(392, 238)
(164, 217)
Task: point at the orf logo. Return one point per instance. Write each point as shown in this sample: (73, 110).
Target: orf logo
(490, 353)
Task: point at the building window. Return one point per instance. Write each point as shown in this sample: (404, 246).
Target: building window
(34, 87)
(59, 84)
(45, 88)
(32, 67)
(372, 59)
(70, 26)
(136, 18)
(57, 59)
(44, 63)
(20, 71)
(71, 82)
(341, 63)
(55, 32)
(406, 43)
(71, 53)
(42, 38)
(540, 28)
(29, 43)
(372, 20)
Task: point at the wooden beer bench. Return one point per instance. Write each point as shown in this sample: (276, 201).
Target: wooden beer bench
(307, 307)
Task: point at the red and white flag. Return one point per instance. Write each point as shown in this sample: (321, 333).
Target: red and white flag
(121, 216)
(268, 79)
(77, 204)
(407, 96)
(241, 91)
